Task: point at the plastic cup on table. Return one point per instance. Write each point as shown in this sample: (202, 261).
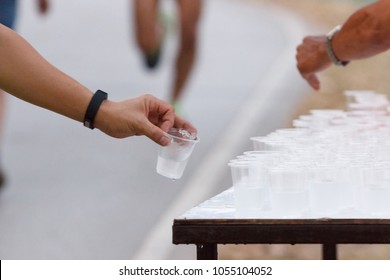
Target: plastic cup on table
(325, 190)
(260, 143)
(249, 187)
(172, 159)
(289, 195)
(376, 190)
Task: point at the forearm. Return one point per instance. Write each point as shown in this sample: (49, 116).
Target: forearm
(27, 75)
(365, 33)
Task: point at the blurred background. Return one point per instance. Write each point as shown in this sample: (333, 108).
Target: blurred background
(73, 193)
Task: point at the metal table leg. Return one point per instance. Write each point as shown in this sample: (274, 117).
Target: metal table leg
(206, 252)
(329, 251)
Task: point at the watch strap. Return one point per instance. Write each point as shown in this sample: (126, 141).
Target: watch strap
(329, 48)
(93, 107)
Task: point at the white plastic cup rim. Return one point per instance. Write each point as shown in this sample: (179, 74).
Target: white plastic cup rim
(242, 162)
(196, 140)
(265, 152)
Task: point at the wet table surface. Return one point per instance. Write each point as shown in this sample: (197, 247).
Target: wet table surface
(215, 221)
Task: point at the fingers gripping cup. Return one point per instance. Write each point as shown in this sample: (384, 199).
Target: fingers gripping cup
(172, 159)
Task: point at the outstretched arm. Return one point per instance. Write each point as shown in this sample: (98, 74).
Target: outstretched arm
(27, 75)
(364, 34)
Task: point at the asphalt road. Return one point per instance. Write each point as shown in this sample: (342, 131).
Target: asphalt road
(73, 193)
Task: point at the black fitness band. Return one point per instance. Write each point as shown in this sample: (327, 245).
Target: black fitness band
(93, 107)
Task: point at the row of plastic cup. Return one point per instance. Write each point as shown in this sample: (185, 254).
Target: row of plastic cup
(332, 163)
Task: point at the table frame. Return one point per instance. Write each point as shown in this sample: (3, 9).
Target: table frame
(206, 234)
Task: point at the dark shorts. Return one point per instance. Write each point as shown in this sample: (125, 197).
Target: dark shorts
(8, 12)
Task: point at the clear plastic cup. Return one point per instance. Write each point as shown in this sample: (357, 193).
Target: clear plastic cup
(259, 143)
(250, 187)
(333, 113)
(172, 159)
(376, 190)
(301, 124)
(266, 159)
(324, 190)
(289, 194)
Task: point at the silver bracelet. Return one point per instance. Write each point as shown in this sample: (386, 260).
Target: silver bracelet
(329, 49)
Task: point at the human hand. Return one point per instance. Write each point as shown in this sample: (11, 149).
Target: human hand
(143, 115)
(311, 58)
(43, 6)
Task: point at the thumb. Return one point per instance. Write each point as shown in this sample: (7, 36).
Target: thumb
(156, 134)
(313, 81)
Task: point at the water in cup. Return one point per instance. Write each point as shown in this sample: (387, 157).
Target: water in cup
(289, 194)
(250, 187)
(171, 167)
(249, 200)
(324, 199)
(289, 203)
(376, 200)
(173, 158)
(376, 190)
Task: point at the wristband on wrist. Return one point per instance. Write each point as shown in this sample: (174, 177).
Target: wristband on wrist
(93, 107)
(329, 49)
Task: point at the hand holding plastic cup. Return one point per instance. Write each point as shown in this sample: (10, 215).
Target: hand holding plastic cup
(172, 159)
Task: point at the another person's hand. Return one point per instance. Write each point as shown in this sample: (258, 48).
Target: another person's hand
(311, 58)
(43, 6)
(143, 115)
